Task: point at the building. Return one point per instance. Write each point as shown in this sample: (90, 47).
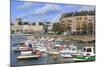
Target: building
(76, 19)
(25, 27)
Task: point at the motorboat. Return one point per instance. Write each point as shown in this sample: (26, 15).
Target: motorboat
(87, 54)
(29, 55)
(41, 48)
(53, 52)
(67, 52)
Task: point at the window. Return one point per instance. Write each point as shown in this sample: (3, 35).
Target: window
(73, 49)
(94, 50)
(84, 50)
(89, 50)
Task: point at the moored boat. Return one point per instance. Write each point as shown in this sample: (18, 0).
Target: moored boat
(87, 54)
(41, 49)
(28, 57)
(53, 52)
(66, 55)
(67, 52)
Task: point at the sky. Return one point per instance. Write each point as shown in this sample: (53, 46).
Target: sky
(43, 12)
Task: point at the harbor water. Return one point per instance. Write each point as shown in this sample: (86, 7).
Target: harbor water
(44, 59)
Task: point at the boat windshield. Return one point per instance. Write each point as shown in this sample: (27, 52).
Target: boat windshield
(84, 50)
(72, 48)
(89, 50)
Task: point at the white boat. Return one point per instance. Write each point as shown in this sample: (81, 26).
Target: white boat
(66, 55)
(57, 45)
(87, 54)
(53, 52)
(23, 48)
(41, 48)
(26, 52)
(28, 57)
(71, 49)
(67, 52)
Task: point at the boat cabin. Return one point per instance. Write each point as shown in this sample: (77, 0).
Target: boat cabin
(73, 49)
(88, 50)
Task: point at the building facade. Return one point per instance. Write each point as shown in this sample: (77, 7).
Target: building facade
(28, 28)
(76, 21)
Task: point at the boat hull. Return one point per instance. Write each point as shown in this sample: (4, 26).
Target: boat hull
(27, 57)
(79, 58)
(66, 55)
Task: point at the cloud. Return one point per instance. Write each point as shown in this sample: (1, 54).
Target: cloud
(24, 5)
(88, 8)
(46, 9)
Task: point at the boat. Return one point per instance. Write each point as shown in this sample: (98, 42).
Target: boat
(66, 55)
(26, 52)
(67, 52)
(87, 54)
(19, 49)
(57, 45)
(41, 48)
(22, 47)
(29, 55)
(53, 52)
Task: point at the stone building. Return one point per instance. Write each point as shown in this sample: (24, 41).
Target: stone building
(28, 27)
(75, 20)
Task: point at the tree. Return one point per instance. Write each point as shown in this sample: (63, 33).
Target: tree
(67, 27)
(84, 27)
(40, 23)
(12, 31)
(19, 20)
(20, 23)
(33, 23)
(26, 23)
(78, 28)
(54, 27)
(45, 27)
(90, 28)
(58, 27)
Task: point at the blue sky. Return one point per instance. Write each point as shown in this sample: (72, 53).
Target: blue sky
(37, 11)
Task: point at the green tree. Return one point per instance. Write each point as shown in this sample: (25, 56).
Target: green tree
(90, 28)
(67, 27)
(58, 28)
(84, 27)
(25, 23)
(19, 23)
(78, 28)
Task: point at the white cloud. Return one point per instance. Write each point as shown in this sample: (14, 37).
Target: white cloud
(45, 9)
(24, 5)
(88, 8)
